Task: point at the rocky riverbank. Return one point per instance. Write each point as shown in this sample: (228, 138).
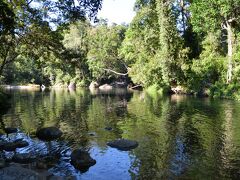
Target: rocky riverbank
(27, 157)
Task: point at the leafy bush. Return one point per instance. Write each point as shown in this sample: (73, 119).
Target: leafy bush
(225, 90)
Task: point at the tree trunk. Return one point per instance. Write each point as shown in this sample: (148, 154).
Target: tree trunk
(182, 5)
(3, 64)
(230, 40)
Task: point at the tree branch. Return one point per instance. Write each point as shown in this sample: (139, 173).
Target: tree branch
(134, 87)
(29, 2)
(121, 74)
(231, 20)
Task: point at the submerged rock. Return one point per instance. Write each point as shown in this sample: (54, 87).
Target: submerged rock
(49, 133)
(123, 144)
(18, 172)
(81, 160)
(24, 158)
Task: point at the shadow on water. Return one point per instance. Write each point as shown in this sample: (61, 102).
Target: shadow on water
(179, 136)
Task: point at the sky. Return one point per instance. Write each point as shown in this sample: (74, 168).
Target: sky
(117, 11)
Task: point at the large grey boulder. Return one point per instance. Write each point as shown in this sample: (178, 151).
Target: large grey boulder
(123, 144)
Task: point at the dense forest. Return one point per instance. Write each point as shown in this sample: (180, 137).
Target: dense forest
(183, 45)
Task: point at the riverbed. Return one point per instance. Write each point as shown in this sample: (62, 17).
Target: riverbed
(178, 136)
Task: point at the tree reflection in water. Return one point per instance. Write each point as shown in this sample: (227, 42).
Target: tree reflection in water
(178, 136)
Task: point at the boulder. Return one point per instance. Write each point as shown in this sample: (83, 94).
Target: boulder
(93, 85)
(20, 143)
(12, 146)
(24, 158)
(10, 130)
(49, 133)
(72, 85)
(106, 87)
(123, 144)
(9, 146)
(81, 160)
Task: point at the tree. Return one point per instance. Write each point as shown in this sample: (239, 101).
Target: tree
(218, 15)
(169, 42)
(103, 57)
(76, 43)
(6, 18)
(141, 44)
(28, 23)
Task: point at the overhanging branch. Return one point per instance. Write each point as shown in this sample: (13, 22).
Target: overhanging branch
(115, 72)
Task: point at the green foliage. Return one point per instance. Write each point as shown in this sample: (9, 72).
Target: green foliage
(168, 43)
(103, 55)
(236, 61)
(7, 18)
(210, 15)
(225, 90)
(141, 45)
(209, 68)
(26, 30)
(76, 43)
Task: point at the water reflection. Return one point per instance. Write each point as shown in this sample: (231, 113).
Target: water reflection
(179, 136)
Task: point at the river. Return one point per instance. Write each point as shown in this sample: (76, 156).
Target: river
(179, 136)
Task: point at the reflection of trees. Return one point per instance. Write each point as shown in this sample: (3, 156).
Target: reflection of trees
(178, 136)
(184, 140)
(156, 135)
(107, 110)
(230, 151)
(76, 112)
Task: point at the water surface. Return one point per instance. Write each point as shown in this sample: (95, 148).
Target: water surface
(179, 136)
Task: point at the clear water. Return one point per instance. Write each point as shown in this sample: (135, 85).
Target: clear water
(179, 137)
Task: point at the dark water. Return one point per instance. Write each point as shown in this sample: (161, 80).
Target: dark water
(179, 137)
